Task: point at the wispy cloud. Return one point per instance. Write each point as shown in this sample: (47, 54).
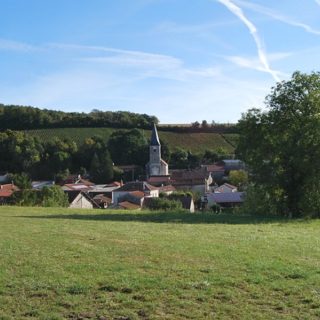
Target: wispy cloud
(317, 2)
(277, 16)
(144, 63)
(172, 27)
(10, 45)
(237, 11)
(250, 63)
(133, 53)
(254, 63)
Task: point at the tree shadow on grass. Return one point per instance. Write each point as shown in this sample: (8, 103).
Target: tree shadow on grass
(166, 217)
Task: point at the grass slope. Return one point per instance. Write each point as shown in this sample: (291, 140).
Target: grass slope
(63, 264)
(195, 142)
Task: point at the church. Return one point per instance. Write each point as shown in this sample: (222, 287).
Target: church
(156, 167)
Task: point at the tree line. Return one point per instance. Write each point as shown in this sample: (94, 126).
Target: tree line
(96, 157)
(24, 118)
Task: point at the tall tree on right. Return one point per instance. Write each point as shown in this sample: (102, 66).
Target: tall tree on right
(281, 146)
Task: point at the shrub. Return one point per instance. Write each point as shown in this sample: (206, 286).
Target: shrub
(53, 196)
(164, 204)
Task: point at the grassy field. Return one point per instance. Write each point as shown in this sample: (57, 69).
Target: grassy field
(195, 142)
(63, 264)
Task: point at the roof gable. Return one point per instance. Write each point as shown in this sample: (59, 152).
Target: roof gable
(136, 186)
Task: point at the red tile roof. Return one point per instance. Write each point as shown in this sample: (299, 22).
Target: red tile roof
(9, 186)
(167, 188)
(189, 177)
(139, 185)
(6, 190)
(137, 194)
(5, 193)
(155, 179)
(214, 168)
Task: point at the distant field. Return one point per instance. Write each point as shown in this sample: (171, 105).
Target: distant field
(76, 134)
(64, 264)
(195, 142)
(231, 138)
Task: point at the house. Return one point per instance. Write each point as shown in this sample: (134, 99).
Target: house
(80, 200)
(102, 200)
(142, 186)
(135, 197)
(217, 170)
(158, 181)
(227, 199)
(226, 187)
(195, 179)
(131, 201)
(104, 190)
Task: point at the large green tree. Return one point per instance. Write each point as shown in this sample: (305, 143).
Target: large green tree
(129, 147)
(281, 146)
(19, 152)
(101, 170)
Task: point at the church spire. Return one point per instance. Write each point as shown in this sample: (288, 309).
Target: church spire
(154, 137)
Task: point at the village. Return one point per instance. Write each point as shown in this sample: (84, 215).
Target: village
(202, 188)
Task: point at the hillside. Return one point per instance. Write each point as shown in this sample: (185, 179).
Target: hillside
(195, 142)
(65, 264)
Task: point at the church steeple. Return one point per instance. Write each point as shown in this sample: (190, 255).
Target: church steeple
(154, 137)
(156, 166)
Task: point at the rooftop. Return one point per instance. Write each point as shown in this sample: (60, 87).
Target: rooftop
(137, 186)
(154, 137)
(230, 197)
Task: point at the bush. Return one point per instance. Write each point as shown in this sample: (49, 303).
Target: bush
(164, 204)
(26, 197)
(215, 208)
(53, 196)
(259, 201)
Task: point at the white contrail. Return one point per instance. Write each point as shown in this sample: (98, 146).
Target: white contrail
(274, 15)
(237, 11)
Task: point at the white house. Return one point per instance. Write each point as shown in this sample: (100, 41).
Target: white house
(142, 186)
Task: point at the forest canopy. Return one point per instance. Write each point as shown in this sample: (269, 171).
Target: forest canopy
(23, 118)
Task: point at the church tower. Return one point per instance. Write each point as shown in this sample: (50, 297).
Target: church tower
(156, 166)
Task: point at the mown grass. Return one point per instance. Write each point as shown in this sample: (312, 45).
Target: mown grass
(67, 264)
(195, 142)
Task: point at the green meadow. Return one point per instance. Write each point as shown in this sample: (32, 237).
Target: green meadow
(69, 264)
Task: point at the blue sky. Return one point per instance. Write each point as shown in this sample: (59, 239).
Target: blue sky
(181, 60)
